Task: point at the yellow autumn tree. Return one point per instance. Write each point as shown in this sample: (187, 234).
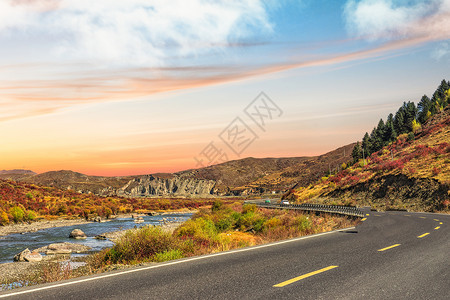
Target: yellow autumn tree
(415, 126)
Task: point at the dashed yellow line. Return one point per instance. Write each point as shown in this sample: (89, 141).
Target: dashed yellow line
(436, 220)
(284, 283)
(363, 219)
(425, 234)
(387, 248)
(437, 228)
(367, 215)
(407, 215)
(377, 215)
(422, 217)
(440, 223)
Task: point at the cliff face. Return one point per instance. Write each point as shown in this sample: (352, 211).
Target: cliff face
(150, 185)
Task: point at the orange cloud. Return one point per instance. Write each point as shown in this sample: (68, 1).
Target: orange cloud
(137, 82)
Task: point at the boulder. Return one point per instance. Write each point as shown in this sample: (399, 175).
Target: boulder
(63, 248)
(100, 237)
(21, 256)
(97, 219)
(33, 257)
(77, 234)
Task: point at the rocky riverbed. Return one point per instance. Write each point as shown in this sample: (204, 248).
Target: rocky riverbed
(16, 271)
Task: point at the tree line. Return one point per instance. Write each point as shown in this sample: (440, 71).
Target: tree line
(407, 120)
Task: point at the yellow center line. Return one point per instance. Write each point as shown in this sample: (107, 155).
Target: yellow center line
(363, 219)
(422, 217)
(425, 234)
(407, 215)
(437, 228)
(436, 220)
(390, 247)
(284, 283)
(440, 223)
(367, 215)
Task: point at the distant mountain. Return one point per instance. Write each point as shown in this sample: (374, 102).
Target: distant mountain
(15, 174)
(238, 177)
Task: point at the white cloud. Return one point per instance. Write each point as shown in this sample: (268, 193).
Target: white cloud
(442, 51)
(134, 31)
(389, 19)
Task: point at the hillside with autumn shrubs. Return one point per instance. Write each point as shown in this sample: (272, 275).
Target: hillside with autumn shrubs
(403, 164)
(219, 228)
(21, 202)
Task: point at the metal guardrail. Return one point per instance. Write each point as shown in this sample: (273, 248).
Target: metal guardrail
(334, 209)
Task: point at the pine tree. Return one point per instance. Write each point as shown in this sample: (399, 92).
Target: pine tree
(410, 115)
(389, 132)
(366, 145)
(424, 107)
(376, 141)
(399, 121)
(357, 152)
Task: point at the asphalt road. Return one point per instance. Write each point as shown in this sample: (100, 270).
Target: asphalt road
(389, 256)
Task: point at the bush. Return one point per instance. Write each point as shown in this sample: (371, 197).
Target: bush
(217, 205)
(17, 213)
(30, 215)
(303, 223)
(141, 245)
(168, 255)
(4, 220)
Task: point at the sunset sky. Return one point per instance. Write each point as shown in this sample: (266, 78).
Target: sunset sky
(114, 87)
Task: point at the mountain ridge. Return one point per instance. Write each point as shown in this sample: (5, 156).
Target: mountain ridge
(240, 177)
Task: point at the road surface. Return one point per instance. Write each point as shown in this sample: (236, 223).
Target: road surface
(391, 255)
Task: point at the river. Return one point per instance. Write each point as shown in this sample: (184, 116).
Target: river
(12, 244)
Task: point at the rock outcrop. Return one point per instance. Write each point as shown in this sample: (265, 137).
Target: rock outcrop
(149, 185)
(27, 255)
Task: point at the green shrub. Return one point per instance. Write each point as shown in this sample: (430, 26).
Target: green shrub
(303, 223)
(199, 228)
(29, 215)
(141, 245)
(168, 255)
(17, 213)
(217, 205)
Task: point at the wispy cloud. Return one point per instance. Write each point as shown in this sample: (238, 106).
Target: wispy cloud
(141, 37)
(134, 31)
(101, 86)
(398, 20)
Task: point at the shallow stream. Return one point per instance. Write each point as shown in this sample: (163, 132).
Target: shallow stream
(12, 244)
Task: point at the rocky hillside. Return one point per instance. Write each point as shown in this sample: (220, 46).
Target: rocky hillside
(413, 173)
(234, 178)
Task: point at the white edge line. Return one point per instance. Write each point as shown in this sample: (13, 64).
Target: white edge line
(172, 263)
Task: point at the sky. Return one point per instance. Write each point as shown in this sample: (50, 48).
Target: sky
(115, 88)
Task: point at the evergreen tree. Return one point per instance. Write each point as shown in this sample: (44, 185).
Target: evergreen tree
(410, 115)
(375, 140)
(357, 152)
(424, 107)
(389, 131)
(399, 121)
(366, 145)
(381, 128)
